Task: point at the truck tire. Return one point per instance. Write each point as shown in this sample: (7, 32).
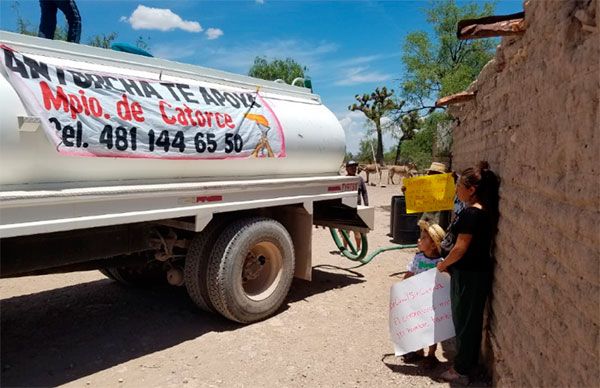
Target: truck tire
(196, 264)
(250, 269)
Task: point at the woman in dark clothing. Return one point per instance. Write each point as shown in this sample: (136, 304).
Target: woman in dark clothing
(468, 246)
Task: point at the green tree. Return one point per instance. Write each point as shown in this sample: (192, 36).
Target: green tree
(390, 155)
(349, 156)
(365, 149)
(143, 43)
(418, 149)
(441, 65)
(24, 26)
(106, 41)
(404, 130)
(285, 69)
(440, 125)
(103, 40)
(375, 106)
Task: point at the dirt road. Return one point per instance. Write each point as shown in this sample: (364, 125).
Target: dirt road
(81, 329)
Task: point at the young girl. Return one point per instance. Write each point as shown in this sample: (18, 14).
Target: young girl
(428, 257)
(467, 247)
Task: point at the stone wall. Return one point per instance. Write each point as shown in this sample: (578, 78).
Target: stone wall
(535, 119)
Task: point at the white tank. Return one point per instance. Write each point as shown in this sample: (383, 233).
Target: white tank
(314, 141)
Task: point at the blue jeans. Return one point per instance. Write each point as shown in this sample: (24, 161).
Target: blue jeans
(48, 19)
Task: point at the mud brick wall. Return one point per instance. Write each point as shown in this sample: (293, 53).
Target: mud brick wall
(535, 119)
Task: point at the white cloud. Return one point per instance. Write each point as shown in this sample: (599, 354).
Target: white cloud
(338, 71)
(213, 33)
(370, 58)
(355, 127)
(239, 57)
(358, 60)
(361, 75)
(162, 19)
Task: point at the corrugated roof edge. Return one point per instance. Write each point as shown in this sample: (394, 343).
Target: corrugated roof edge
(60, 49)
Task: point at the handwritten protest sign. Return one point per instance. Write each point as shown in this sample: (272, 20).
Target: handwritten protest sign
(102, 113)
(420, 313)
(429, 193)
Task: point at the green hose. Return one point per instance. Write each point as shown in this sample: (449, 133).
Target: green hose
(352, 253)
(368, 259)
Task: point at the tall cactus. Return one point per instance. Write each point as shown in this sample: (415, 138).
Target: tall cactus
(374, 107)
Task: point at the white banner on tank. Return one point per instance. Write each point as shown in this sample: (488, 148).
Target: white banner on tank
(103, 114)
(420, 311)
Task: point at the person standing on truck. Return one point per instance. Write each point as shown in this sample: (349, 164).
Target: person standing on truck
(363, 196)
(48, 19)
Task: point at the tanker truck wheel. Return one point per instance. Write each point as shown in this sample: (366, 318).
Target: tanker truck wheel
(196, 264)
(250, 269)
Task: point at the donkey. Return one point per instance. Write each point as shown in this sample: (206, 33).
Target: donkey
(370, 169)
(402, 171)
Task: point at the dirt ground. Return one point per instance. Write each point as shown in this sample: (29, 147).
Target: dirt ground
(81, 329)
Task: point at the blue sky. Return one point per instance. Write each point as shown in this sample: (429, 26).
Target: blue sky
(349, 47)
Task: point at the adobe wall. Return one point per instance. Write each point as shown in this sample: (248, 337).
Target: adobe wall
(535, 119)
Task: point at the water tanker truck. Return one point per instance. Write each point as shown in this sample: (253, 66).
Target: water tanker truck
(154, 171)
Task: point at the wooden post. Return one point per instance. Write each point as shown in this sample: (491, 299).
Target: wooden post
(490, 26)
(455, 98)
(376, 165)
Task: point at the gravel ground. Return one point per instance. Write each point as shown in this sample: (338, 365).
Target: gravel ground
(81, 329)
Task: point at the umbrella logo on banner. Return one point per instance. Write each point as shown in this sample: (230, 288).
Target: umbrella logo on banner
(263, 143)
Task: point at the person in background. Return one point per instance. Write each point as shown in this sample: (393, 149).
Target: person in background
(363, 196)
(467, 248)
(48, 19)
(426, 258)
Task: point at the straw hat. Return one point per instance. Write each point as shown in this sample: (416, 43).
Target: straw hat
(434, 231)
(437, 167)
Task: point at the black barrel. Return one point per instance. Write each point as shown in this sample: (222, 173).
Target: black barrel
(393, 213)
(405, 229)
